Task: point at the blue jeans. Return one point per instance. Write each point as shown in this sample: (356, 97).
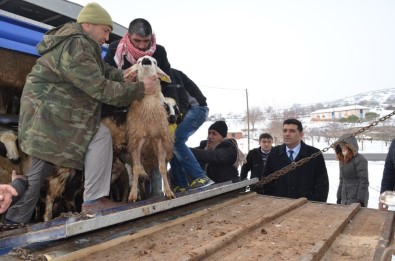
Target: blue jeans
(184, 162)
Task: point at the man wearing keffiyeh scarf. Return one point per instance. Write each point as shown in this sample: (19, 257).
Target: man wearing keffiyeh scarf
(130, 52)
(137, 42)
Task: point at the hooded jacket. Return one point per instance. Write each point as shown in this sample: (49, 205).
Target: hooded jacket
(63, 94)
(353, 175)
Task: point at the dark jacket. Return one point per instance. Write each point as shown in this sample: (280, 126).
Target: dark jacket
(388, 180)
(188, 92)
(219, 161)
(255, 163)
(163, 63)
(309, 180)
(353, 176)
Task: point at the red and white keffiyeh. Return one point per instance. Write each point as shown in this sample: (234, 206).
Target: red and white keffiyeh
(125, 48)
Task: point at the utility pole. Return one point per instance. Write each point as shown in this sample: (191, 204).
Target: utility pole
(248, 122)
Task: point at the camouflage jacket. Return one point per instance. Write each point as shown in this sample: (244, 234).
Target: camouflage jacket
(63, 95)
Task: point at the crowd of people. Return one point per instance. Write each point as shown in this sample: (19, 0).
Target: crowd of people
(59, 125)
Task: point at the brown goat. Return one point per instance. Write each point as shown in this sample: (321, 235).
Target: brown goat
(148, 132)
(64, 186)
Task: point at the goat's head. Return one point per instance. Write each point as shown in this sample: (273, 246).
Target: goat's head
(173, 112)
(9, 146)
(147, 66)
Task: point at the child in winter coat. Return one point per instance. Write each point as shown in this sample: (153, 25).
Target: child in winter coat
(354, 182)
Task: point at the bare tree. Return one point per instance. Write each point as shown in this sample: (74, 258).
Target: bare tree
(332, 132)
(312, 133)
(255, 115)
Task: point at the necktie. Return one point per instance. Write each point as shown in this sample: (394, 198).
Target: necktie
(291, 157)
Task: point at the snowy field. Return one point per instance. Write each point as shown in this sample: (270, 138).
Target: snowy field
(375, 167)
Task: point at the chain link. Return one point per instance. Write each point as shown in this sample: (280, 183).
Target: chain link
(294, 165)
(5, 227)
(25, 254)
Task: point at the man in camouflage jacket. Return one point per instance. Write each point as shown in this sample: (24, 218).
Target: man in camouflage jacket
(59, 121)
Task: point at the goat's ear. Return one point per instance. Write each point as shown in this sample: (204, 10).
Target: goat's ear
(162, 75)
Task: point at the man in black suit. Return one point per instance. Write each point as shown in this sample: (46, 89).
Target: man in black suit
(310, 180)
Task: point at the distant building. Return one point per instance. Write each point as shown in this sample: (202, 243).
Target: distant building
(235, 134)
(335, 114)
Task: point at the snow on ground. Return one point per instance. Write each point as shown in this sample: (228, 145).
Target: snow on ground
(375, 167)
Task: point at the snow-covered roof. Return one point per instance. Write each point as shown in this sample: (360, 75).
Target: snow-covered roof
(343, 108)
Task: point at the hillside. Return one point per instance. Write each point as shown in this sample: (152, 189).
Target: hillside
(379, 98)
(381, 102)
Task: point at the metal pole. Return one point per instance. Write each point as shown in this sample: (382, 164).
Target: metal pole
(248, 122)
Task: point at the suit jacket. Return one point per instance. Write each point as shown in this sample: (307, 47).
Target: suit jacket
(309, 180)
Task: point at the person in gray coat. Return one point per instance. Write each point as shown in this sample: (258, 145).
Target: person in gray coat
(354, 181)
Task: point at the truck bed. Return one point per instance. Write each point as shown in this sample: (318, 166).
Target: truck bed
(236, 226)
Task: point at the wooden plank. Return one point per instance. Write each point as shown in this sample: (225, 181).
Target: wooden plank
(385, 238)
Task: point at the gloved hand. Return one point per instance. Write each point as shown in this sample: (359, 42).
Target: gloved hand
(339, 201)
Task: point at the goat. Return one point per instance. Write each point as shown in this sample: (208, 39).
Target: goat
(63, 192)
(147, 130)
(60, 190)
(118, 127)
(12, 158)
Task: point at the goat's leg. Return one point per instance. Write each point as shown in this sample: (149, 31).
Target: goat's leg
(137, 167)
(163, 171)
(49, 201)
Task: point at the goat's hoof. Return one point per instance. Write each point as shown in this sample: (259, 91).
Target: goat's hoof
(132, 199)
(170, 196)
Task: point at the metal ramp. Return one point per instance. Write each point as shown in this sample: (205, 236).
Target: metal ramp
(61, 228)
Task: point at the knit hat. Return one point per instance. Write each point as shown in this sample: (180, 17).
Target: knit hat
(93, 13)
(220, 127)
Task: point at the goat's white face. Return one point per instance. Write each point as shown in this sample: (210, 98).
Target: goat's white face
(148, 66)
(9, 140)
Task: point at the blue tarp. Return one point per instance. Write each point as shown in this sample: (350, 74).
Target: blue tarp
(21, 36)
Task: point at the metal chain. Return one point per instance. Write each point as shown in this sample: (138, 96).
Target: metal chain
(25, 254)
(5, 227)
(294, 165)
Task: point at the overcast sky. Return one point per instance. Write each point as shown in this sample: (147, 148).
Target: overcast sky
(282, 51)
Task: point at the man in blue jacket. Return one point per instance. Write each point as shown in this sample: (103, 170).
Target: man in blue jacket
(310, 180)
